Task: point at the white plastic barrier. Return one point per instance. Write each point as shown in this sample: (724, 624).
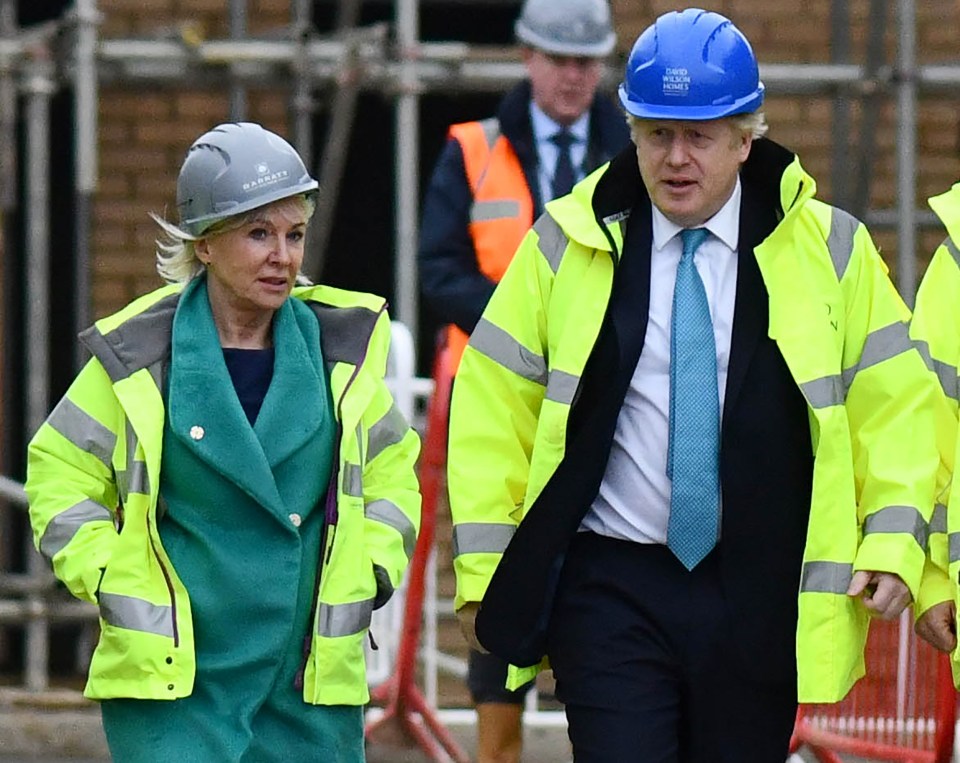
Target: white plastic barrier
(409, 392)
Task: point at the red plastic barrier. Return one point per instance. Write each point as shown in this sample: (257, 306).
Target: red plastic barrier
(904, 709)
(406, 708)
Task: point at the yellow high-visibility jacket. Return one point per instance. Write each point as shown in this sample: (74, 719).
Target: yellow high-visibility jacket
(936, 330)
(97, 458)
(843, 331)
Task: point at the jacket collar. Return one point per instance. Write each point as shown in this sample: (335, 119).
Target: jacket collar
(615, 192)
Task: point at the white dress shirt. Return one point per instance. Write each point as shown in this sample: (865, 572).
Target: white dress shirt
(545, 128)
(634, 498)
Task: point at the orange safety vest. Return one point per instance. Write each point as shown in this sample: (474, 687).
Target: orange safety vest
(502, 209)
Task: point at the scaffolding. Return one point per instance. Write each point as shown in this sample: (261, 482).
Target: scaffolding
(36, 62)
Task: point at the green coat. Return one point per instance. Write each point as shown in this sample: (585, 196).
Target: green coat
(96, 462)
(240, 506)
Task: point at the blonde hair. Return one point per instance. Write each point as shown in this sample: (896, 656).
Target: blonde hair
(176, 253)
(754, 123)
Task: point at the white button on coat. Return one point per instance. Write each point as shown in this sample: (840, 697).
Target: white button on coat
(295, 520)
(196, 432)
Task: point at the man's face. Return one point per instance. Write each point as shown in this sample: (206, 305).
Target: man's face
(690, 168)
(563, 86)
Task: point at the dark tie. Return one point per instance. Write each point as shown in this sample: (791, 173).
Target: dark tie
(694, 448)
(563, 175)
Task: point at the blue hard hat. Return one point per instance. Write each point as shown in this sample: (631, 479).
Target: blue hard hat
(692, 65)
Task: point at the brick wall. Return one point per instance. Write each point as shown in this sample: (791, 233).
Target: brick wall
(144, 132)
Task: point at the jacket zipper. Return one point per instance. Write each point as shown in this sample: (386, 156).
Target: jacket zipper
(169, 582)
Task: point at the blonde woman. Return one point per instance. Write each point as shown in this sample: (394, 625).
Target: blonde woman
(229, 480)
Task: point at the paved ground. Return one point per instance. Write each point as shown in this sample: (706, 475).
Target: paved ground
(61, 728)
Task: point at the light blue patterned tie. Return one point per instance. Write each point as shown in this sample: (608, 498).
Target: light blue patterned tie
(693, 454)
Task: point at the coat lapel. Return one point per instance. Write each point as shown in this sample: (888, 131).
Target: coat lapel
(205, 413)
(630, 297)
(750, 313)
(293, 410)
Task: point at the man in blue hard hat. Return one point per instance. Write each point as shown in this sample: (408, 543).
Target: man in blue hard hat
(691, 445)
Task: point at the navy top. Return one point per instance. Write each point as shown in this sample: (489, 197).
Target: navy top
(251, 371)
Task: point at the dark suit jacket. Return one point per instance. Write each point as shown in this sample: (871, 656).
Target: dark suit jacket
(766, 457)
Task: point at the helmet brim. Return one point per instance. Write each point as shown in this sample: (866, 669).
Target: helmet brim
(745, 105)
(200, 225)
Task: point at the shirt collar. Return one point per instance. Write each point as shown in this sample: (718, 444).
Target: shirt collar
(545, 128)
(725, 224)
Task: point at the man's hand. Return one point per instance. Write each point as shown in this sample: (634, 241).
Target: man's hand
(467, 617)
(937, 626)
(883, 593)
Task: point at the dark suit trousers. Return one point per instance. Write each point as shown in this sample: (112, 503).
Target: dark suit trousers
(643, 653)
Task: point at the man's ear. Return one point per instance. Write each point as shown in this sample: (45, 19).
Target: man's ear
(746, 142)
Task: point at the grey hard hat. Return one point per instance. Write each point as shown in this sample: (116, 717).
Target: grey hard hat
(233, 168)
(567, 27)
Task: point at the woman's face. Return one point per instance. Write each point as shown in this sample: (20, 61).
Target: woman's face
(251, 269)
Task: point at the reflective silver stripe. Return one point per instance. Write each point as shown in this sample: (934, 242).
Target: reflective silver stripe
(481, 538)
(388, 431)
(946, 374)
(134, 479)
(137, 343)
(84, 431)
(353, 480)
(61, 529)
(156, 372)
(924, 349)
(561, 386)
(843, 226)
(826, 577)
(500, 347)
(334, 620)
(952, 248)
(897, 519)
(388, 513)
(938, 522)
(491, 130)
(136, 614)
(824, 392)
(552, 241)
(482, 211)
(953, 543)
(880, 345)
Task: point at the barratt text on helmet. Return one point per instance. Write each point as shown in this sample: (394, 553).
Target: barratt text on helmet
(265, 180)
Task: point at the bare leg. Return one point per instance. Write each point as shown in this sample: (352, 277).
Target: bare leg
(499, 732)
